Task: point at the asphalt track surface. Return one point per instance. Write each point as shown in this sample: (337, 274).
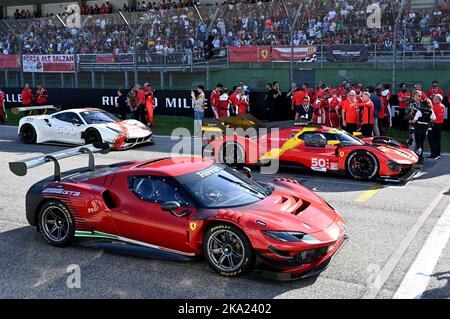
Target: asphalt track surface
(388, 226)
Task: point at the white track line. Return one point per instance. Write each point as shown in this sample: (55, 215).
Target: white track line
(395, 258)
(416, 279)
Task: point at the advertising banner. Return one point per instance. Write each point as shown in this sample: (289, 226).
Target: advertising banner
(9, 61)
(302, 53)
(43, 63)
(249, 54)
(347, 52)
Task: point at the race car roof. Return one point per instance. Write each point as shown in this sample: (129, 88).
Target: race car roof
(175, 166)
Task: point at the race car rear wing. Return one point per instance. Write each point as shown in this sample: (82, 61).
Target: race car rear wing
(16, 110)
(21, 168)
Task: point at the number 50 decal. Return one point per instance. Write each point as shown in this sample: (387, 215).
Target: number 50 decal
(319, 164)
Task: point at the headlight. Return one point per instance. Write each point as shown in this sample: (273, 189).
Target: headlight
(285, 235)
(116, 131)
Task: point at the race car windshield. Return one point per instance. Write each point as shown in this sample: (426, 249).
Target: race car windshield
(348, 140)
(96, 117)
(222, 187)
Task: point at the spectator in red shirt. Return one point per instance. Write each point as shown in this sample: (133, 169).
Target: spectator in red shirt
(434, 136)
(350, 112)
(404, 95)
(333, 104)
(214, 100)
(149, 103)
(367, 119)
(418, 87)
(435, 90)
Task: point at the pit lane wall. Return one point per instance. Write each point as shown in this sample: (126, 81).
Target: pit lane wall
(168, 102)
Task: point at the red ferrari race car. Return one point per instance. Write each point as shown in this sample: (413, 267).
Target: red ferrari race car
(183, 208)
(303, 145)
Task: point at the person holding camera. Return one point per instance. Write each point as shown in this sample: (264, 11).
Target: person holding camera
(421, 121)
(198, 99)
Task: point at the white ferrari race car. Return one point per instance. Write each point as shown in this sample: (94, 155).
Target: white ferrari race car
(83, 126)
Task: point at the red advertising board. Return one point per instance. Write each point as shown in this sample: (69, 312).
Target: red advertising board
(9, 61)
(249, 54)
(281, 54)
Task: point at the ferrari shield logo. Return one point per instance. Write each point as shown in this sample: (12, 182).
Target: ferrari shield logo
(264, 54)
(193, 226)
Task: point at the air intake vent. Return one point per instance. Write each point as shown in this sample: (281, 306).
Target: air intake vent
(304, 206)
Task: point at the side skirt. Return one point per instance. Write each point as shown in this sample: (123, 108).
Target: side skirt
(122, 245)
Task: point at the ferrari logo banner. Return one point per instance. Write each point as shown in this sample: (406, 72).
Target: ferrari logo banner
(249, 54)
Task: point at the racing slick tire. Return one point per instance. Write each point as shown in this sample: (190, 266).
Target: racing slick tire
(28, 134)
(56, 224)
(228, 250)
(232, 154)
(362, 165)
(92, 136)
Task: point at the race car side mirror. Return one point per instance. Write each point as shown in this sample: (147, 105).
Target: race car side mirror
(247, 172)
(170, 206)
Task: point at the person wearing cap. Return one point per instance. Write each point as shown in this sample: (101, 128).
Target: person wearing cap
(384, 116)
(350, 113)
(214, 100)
(434, 135)
(242, 102)
(421, 122)
(3, 115)
(404, 95)
(435, 89)
(149, 103)
(367, 118)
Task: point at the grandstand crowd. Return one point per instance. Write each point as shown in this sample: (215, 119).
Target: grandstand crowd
(179, 27)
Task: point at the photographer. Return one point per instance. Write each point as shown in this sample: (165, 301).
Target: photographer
(198, 99)
(413, 107)
(421, 121)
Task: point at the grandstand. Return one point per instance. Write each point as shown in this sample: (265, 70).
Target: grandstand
(125, 41)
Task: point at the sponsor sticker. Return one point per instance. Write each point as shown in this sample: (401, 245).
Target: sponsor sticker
(60, 191)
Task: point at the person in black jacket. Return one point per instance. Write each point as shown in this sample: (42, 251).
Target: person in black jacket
(422, 121)
(121, 105)
(305, 110)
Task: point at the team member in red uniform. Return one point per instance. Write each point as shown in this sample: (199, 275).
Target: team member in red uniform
(434, 136)
(297, 99)
(318, 111)
(27, 97)
(233, 100)
(350, 112)
(224, 102)
(435, 90)
(149, 103)
(368, 110)
(3, 115)
(404, 95)
(308, 91)
(214, 100)
(140, 104)
(41, 98)
(243, 103)
(333, 104)
(418, 87)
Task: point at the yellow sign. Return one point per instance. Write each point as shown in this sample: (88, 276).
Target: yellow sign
(193, 226)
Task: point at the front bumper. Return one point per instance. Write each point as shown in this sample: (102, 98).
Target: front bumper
(405, 175)
(127, 143)
(286, 274)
